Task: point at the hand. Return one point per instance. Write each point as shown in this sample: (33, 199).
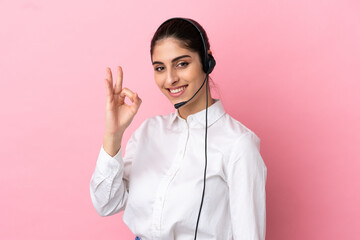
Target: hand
(119, 115)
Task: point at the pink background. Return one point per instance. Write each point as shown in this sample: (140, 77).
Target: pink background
(288, 70)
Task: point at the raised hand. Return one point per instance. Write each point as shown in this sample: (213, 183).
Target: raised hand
(119, 115)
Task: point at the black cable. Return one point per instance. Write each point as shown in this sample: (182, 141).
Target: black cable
(206, 123)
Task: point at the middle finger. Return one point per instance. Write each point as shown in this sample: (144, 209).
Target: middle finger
(119, 80)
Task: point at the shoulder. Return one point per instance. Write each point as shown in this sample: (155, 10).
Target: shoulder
(150, 126)
(241, 142)
(158, 120)
(155, 122)
(237, 132)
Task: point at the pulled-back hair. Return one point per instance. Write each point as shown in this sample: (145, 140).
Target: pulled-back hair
(185, 32)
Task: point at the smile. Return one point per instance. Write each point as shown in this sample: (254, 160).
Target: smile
(175, 92)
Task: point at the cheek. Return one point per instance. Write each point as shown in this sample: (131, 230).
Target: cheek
(193, 75)
(159, 80)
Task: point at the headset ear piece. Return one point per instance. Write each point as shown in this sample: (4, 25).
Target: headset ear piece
(211, 64)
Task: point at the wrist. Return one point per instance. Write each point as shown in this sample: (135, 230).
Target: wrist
(112, 143)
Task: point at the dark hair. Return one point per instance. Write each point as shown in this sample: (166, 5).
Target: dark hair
(184, 31)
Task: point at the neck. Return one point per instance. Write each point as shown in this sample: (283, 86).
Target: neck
(194, 107)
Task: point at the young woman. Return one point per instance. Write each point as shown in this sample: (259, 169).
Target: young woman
(159, 183)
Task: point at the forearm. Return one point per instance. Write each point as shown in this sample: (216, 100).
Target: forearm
(107, 186)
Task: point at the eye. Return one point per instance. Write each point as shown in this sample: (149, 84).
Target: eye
(159, 69)
(182, 64)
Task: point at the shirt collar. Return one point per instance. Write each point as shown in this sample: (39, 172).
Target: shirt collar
(215, 111)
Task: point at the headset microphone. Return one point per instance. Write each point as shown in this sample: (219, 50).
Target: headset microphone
(177, 105)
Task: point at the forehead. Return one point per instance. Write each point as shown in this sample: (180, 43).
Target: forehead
(169, 48)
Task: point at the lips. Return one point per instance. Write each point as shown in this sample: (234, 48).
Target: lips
(175, 92)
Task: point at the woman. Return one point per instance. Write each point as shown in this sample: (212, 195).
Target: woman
(159, 183)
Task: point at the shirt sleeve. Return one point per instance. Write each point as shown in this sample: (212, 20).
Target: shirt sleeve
(109, 184)
(247, 175)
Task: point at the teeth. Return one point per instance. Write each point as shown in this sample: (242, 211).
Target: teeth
(177, 90)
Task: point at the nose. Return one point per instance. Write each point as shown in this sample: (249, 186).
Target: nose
(172, 77)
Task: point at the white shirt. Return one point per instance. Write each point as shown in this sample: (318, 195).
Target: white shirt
(159, 180)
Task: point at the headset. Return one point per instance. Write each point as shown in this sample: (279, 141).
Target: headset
(208, 66)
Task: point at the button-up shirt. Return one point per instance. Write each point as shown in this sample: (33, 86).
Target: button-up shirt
(159, 181)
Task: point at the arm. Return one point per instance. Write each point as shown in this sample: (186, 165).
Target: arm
(246, 180)
(109, 184)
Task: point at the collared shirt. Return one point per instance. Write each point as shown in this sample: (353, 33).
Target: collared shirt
(159, 181)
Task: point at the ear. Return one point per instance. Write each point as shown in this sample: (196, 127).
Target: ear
(209, 52)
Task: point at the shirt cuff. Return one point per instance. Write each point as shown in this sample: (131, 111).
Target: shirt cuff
(108, 165)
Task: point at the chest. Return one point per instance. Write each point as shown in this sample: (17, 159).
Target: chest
(170, 168)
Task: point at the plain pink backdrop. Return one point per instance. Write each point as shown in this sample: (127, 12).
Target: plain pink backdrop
(288, 70)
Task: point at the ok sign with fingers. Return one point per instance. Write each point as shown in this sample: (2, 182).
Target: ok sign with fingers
(119, 115)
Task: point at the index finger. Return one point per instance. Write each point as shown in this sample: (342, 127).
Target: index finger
(119, 80)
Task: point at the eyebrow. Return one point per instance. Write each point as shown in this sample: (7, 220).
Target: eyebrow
(175, 59)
